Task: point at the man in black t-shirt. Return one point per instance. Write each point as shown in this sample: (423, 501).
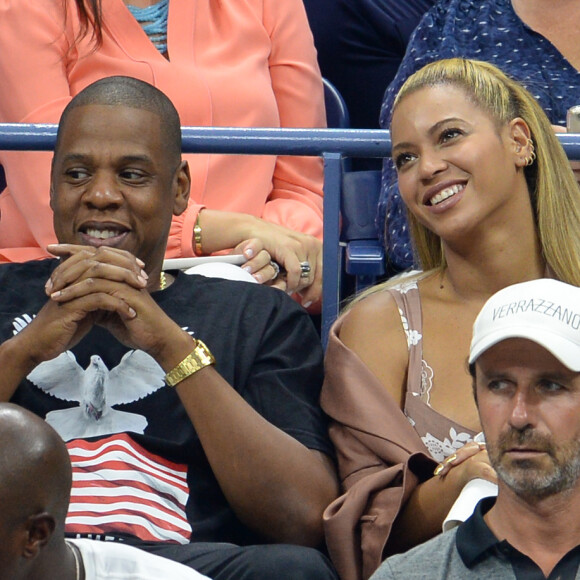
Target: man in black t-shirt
(189, 405)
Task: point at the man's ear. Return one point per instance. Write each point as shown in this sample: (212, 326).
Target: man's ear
(40, 528)
(521, 140)
(182, 186)
(51, 190)
(472, 371)
(51, 186)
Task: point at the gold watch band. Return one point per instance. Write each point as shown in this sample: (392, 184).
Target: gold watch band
(196, 360)
(197, 248)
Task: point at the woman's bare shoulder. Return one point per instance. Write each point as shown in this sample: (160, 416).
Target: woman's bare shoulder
(369, 315)
(374, 331)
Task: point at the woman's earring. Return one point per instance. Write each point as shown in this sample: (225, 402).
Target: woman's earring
(529, 160)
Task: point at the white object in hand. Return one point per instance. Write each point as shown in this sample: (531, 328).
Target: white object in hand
(464, 505)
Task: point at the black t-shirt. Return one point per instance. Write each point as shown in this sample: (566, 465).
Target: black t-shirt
(138, 466)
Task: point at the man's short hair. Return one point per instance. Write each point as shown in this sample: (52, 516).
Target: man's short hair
(133, 93)
(544, 311)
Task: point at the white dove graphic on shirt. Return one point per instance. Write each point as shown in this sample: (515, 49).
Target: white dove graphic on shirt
(97, 389)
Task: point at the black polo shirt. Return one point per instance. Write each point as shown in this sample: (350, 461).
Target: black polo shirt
(476, 543)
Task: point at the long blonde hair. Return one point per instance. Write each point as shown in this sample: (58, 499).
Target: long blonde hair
(554, 193)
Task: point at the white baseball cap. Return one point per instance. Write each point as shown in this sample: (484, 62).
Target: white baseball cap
(545, 311)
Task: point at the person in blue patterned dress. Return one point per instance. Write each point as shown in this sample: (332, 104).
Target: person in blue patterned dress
(533, 41)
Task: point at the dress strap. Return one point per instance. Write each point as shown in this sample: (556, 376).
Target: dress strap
(408, 302)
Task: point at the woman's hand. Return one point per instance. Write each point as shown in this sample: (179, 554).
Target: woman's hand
(298, 255)
(423, 514)
(469, 462)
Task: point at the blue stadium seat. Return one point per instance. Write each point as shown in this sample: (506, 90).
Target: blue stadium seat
(364, 256)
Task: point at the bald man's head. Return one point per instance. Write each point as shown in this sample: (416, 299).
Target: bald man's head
(35, 469)
(35, 483)
(122, 91)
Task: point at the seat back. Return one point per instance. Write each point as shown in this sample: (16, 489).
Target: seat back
(336, 110)
(364, 255)
(360, 197)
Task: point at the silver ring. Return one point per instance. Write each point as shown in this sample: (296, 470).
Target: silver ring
(305, 269)
(276, 268)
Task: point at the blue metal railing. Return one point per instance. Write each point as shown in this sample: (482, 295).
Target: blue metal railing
(331, 144)
(234, 140)
(252, 141)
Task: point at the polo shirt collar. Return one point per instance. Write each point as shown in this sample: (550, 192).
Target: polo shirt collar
(474, 538)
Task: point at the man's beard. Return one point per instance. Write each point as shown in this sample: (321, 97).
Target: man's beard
(531, 477)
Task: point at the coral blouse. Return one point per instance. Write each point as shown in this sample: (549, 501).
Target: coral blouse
(249, 63)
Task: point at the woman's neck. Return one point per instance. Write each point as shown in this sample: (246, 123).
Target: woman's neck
(501, 258)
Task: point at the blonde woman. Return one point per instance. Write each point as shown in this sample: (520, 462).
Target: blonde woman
(492, 201)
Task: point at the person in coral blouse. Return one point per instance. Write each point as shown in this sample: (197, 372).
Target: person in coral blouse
(245, 64)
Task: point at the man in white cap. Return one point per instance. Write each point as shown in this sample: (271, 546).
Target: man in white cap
(525, 362)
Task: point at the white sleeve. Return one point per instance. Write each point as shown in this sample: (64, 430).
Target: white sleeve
(114, 561)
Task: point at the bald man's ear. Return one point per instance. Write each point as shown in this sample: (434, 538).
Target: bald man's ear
(40, 528)
(182, 186)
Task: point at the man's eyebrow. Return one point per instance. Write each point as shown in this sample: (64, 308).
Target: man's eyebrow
(557, 376)
(433, 129)
(125, 159)
(493, 375)
(560, 376)
(75, 157)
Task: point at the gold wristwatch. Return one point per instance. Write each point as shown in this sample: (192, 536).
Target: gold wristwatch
(196, 360)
